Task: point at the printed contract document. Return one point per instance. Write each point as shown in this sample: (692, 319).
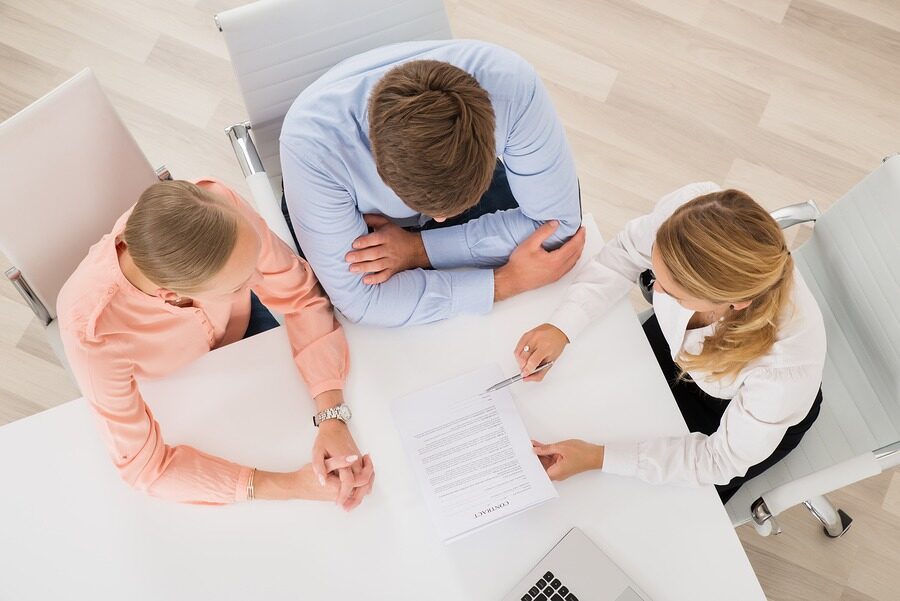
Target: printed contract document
(470, 453)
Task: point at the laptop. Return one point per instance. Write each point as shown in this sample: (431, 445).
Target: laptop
(576, 570)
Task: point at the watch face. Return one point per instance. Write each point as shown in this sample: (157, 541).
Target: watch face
(345, 412)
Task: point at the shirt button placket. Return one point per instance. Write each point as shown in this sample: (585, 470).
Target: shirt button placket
(210, 332)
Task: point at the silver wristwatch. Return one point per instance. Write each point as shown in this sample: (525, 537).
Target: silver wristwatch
(341, 412)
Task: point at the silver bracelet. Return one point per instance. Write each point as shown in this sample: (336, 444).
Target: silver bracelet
(250, 496)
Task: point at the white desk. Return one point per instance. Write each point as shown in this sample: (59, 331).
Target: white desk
(71, 529)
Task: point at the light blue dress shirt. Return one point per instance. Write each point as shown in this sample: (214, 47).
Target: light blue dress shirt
(330, 181)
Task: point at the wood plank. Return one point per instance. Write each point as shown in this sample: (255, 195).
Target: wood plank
(883, 12)
(15, 319)
(789, 582)
(772, 10)
(804, 42)
(212, 72)
(552, 61)
(117, 34)
(34, 342)
(686, 11)
(14, 407)
(34, 379)
(22, 74)
(773, 189)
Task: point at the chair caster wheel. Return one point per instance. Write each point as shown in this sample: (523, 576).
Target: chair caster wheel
(846, 520)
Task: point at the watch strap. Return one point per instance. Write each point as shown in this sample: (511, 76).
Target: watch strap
(327, 414)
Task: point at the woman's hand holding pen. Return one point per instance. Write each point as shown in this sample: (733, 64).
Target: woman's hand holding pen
(543, 344)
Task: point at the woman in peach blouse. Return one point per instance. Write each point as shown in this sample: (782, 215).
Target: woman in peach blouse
(173, 281)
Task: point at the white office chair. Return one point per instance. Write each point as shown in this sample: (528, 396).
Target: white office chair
(852, 266)
(68, 169)
(279, 47)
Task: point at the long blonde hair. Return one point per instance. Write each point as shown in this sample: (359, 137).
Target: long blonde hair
(180, 235)
(723, 247)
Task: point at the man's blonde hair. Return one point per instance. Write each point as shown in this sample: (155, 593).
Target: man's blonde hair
(180, 235)
(723, 247)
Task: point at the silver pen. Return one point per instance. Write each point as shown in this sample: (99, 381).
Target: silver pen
(517, 377)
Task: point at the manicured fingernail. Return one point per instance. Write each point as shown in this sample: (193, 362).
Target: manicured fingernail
(352, 458)
(321, 480)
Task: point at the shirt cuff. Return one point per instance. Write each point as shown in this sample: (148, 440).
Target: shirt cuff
(320, 387)
(621, 459)
(243, 481)
(571, 319)
(447, 247)
(471, 291)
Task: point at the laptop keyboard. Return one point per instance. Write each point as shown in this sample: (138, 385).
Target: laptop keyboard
(549, 588)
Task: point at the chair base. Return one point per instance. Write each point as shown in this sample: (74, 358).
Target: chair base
(835, 522)
(763, 520)
(846, 520)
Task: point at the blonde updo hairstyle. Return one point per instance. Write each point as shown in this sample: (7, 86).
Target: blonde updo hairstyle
(180, 235)
(724, 247)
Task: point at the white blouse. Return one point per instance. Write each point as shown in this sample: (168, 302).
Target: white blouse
(768, 396)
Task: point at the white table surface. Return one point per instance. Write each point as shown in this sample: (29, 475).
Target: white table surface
(72, 530)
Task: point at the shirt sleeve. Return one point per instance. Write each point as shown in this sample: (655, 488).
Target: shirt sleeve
(176, 473)
(327, 221)
(541, 174)
(286, 284)
(768, 403)
(611, 273)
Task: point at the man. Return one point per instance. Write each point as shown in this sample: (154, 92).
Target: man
(404, 140)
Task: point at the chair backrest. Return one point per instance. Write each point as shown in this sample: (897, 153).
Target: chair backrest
(852, 265)
(278, 47)
(68, 169)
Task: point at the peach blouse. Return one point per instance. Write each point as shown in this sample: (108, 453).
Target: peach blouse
(116, 335)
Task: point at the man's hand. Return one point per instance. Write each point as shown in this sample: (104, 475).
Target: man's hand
(530, 266)
(389, 249)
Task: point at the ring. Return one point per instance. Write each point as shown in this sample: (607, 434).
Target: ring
(527, 349)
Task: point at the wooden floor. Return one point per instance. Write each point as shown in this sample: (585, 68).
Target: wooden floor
(786, 99)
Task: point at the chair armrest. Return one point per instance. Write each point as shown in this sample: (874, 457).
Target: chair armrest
(268, 205)
(244, 149)
(888, 456)
(645, 283)
(31, 298)
(802, 212)
(264, 199)
(816, 484)
(163, 174)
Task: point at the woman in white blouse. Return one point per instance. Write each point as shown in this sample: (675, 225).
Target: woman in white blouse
(735, 330)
